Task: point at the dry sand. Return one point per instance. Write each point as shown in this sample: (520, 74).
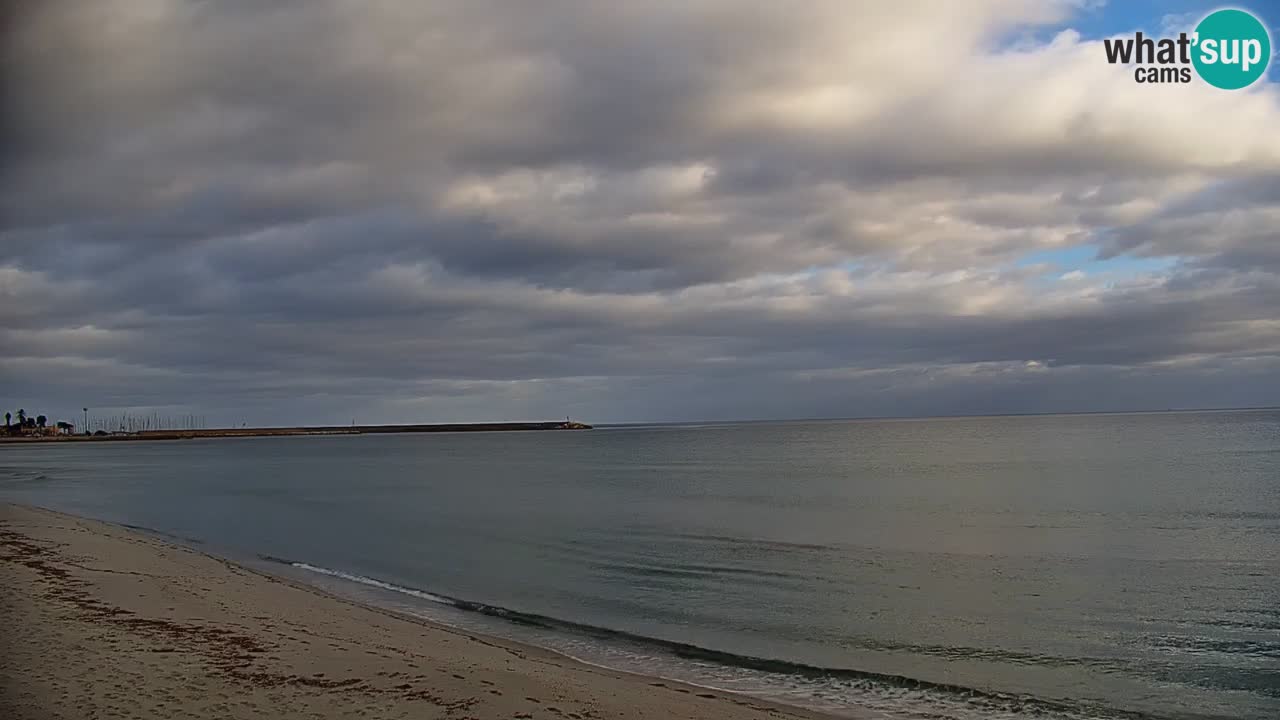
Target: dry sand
(102, 622)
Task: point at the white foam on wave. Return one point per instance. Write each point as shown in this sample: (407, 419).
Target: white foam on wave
(371, 582)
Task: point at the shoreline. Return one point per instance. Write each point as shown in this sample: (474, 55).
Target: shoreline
(214, 433)
(250, 636)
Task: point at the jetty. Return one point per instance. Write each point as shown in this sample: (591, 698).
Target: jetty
(201, 433)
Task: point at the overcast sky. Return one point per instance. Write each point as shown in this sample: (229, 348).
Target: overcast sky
(313, 211)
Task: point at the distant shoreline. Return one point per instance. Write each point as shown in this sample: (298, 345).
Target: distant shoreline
(293, 431)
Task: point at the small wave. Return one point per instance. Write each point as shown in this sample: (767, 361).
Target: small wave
(361, 579)
(161, 533)
(10, 477)
(695, 571)
(1242, 624)
(775, 545)
(1215, 646)
(1234, 515)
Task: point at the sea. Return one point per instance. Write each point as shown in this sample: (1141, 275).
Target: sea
(1054, 567)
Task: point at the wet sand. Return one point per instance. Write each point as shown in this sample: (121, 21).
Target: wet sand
(103, 622)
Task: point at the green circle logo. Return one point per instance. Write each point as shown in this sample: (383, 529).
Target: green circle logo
(1232, 49)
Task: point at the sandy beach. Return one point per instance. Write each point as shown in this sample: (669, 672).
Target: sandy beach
(104, 622)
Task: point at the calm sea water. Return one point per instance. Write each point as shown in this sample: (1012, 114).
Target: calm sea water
(1117, 566)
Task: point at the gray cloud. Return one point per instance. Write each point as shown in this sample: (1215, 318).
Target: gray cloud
(481, 210)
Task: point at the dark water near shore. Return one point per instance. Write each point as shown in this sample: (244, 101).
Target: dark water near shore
(1104, 566)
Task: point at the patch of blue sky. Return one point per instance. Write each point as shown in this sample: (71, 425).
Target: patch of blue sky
(1085, 259)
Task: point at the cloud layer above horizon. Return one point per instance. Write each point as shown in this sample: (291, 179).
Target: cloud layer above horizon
(314, 210)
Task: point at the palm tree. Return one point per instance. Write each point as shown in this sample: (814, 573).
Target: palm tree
(22, 416)
(7, 417)
(41, 420)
